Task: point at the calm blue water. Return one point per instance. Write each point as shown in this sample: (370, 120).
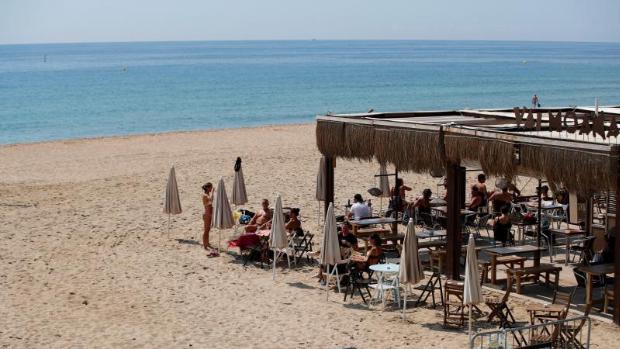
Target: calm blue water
(86, 90)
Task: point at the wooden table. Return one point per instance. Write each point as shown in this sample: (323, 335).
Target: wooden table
(554, 311)
(506, 251)
(595, 270)
(568, 234)
(428, 233)
(444, 210)
(355, 224)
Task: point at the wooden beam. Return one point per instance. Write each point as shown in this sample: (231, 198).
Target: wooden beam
(453, 176)
(329, 182)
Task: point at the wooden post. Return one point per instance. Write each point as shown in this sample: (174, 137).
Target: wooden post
(617, 258)
(588, 226)
(329, 182)
(463, 185)
(453, 176)
(539, 225)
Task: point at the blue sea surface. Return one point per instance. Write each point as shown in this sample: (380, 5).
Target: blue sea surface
(61, 91)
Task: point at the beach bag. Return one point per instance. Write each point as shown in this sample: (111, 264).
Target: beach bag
(245, 219)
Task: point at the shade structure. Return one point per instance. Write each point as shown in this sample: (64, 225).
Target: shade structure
(472, 290)
(172, 203)
(330, 250)
(320, 186)
(384, 181)
(278, 241)
(239, 195)
(411, 271)
(222, 214)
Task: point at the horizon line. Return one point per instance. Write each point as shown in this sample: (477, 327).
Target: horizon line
(291, 40)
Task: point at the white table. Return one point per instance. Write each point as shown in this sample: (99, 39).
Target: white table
(381, 270)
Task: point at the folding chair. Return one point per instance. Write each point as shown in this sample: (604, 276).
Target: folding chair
(453, 307)
(303, 246)
(357, 282)
(570, 334)
(434, 282)
(499, 308)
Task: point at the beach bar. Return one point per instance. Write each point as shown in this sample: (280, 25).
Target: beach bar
(576, 148)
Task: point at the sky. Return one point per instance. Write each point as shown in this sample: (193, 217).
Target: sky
(47, 21)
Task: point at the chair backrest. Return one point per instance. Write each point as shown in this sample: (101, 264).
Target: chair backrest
(454, 290)
(427, 219)
(563, 298)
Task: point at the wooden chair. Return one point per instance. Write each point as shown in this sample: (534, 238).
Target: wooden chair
(570, 333)
(357, 282)
(303, 246)
(434, 282)
(609, 298)
(453, 307)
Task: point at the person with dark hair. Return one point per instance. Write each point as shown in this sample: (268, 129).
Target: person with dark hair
(482, 189)
(359, 209)
(502, 226)
(423, 203)
(373, 256)
(238, 164)
(402, 189)
(476, 198)
(346, 238)
(544, 193)
(293, 225)
(207, 203)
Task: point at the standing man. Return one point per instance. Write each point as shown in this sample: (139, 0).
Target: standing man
(535, 102)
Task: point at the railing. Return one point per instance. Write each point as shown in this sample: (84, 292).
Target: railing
(564, 334)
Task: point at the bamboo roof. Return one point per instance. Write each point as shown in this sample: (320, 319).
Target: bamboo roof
(424, 142)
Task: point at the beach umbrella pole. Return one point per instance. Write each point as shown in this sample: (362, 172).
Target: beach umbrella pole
(275, 257)
(404, 303)
(470, 306)
(168, 224)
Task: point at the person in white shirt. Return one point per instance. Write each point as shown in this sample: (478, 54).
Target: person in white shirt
(359, 209)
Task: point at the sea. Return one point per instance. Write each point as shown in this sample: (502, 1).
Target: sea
(66, 91)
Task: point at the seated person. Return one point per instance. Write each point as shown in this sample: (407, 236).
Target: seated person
(502, 226)
(544, 193)
(423, 203)
(359, 209)
(476, 199)
(261, 220)
(372, 256)
(293, 225)
(346, 238)
(499, 199)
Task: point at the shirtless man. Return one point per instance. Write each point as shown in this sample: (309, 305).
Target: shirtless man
(262, 219)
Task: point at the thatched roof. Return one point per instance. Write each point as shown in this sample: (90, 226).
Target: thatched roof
(424, 142)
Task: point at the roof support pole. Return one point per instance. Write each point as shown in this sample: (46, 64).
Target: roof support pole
(454, 175)
(617, 260)
(329, 182)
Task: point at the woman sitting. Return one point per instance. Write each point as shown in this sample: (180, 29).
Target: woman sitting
(423, 203)
(373, 256)
(293, 225)
(502, 226)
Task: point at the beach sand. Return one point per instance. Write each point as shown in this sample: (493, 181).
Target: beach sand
(86, 259)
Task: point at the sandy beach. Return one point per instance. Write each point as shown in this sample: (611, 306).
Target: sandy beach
(86, 259)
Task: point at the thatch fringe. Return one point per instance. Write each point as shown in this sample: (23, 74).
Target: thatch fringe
(330, 138)
(578, 171)
(495, 157)
(359, 141)
(408, 150)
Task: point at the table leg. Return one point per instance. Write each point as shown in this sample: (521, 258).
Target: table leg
(494, 269)
(588, 288)
(567, 249)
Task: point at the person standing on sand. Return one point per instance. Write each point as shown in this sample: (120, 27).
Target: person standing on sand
(207, 202)
(535, 102)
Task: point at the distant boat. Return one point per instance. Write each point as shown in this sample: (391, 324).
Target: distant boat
(124, 68)
(524, 62)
